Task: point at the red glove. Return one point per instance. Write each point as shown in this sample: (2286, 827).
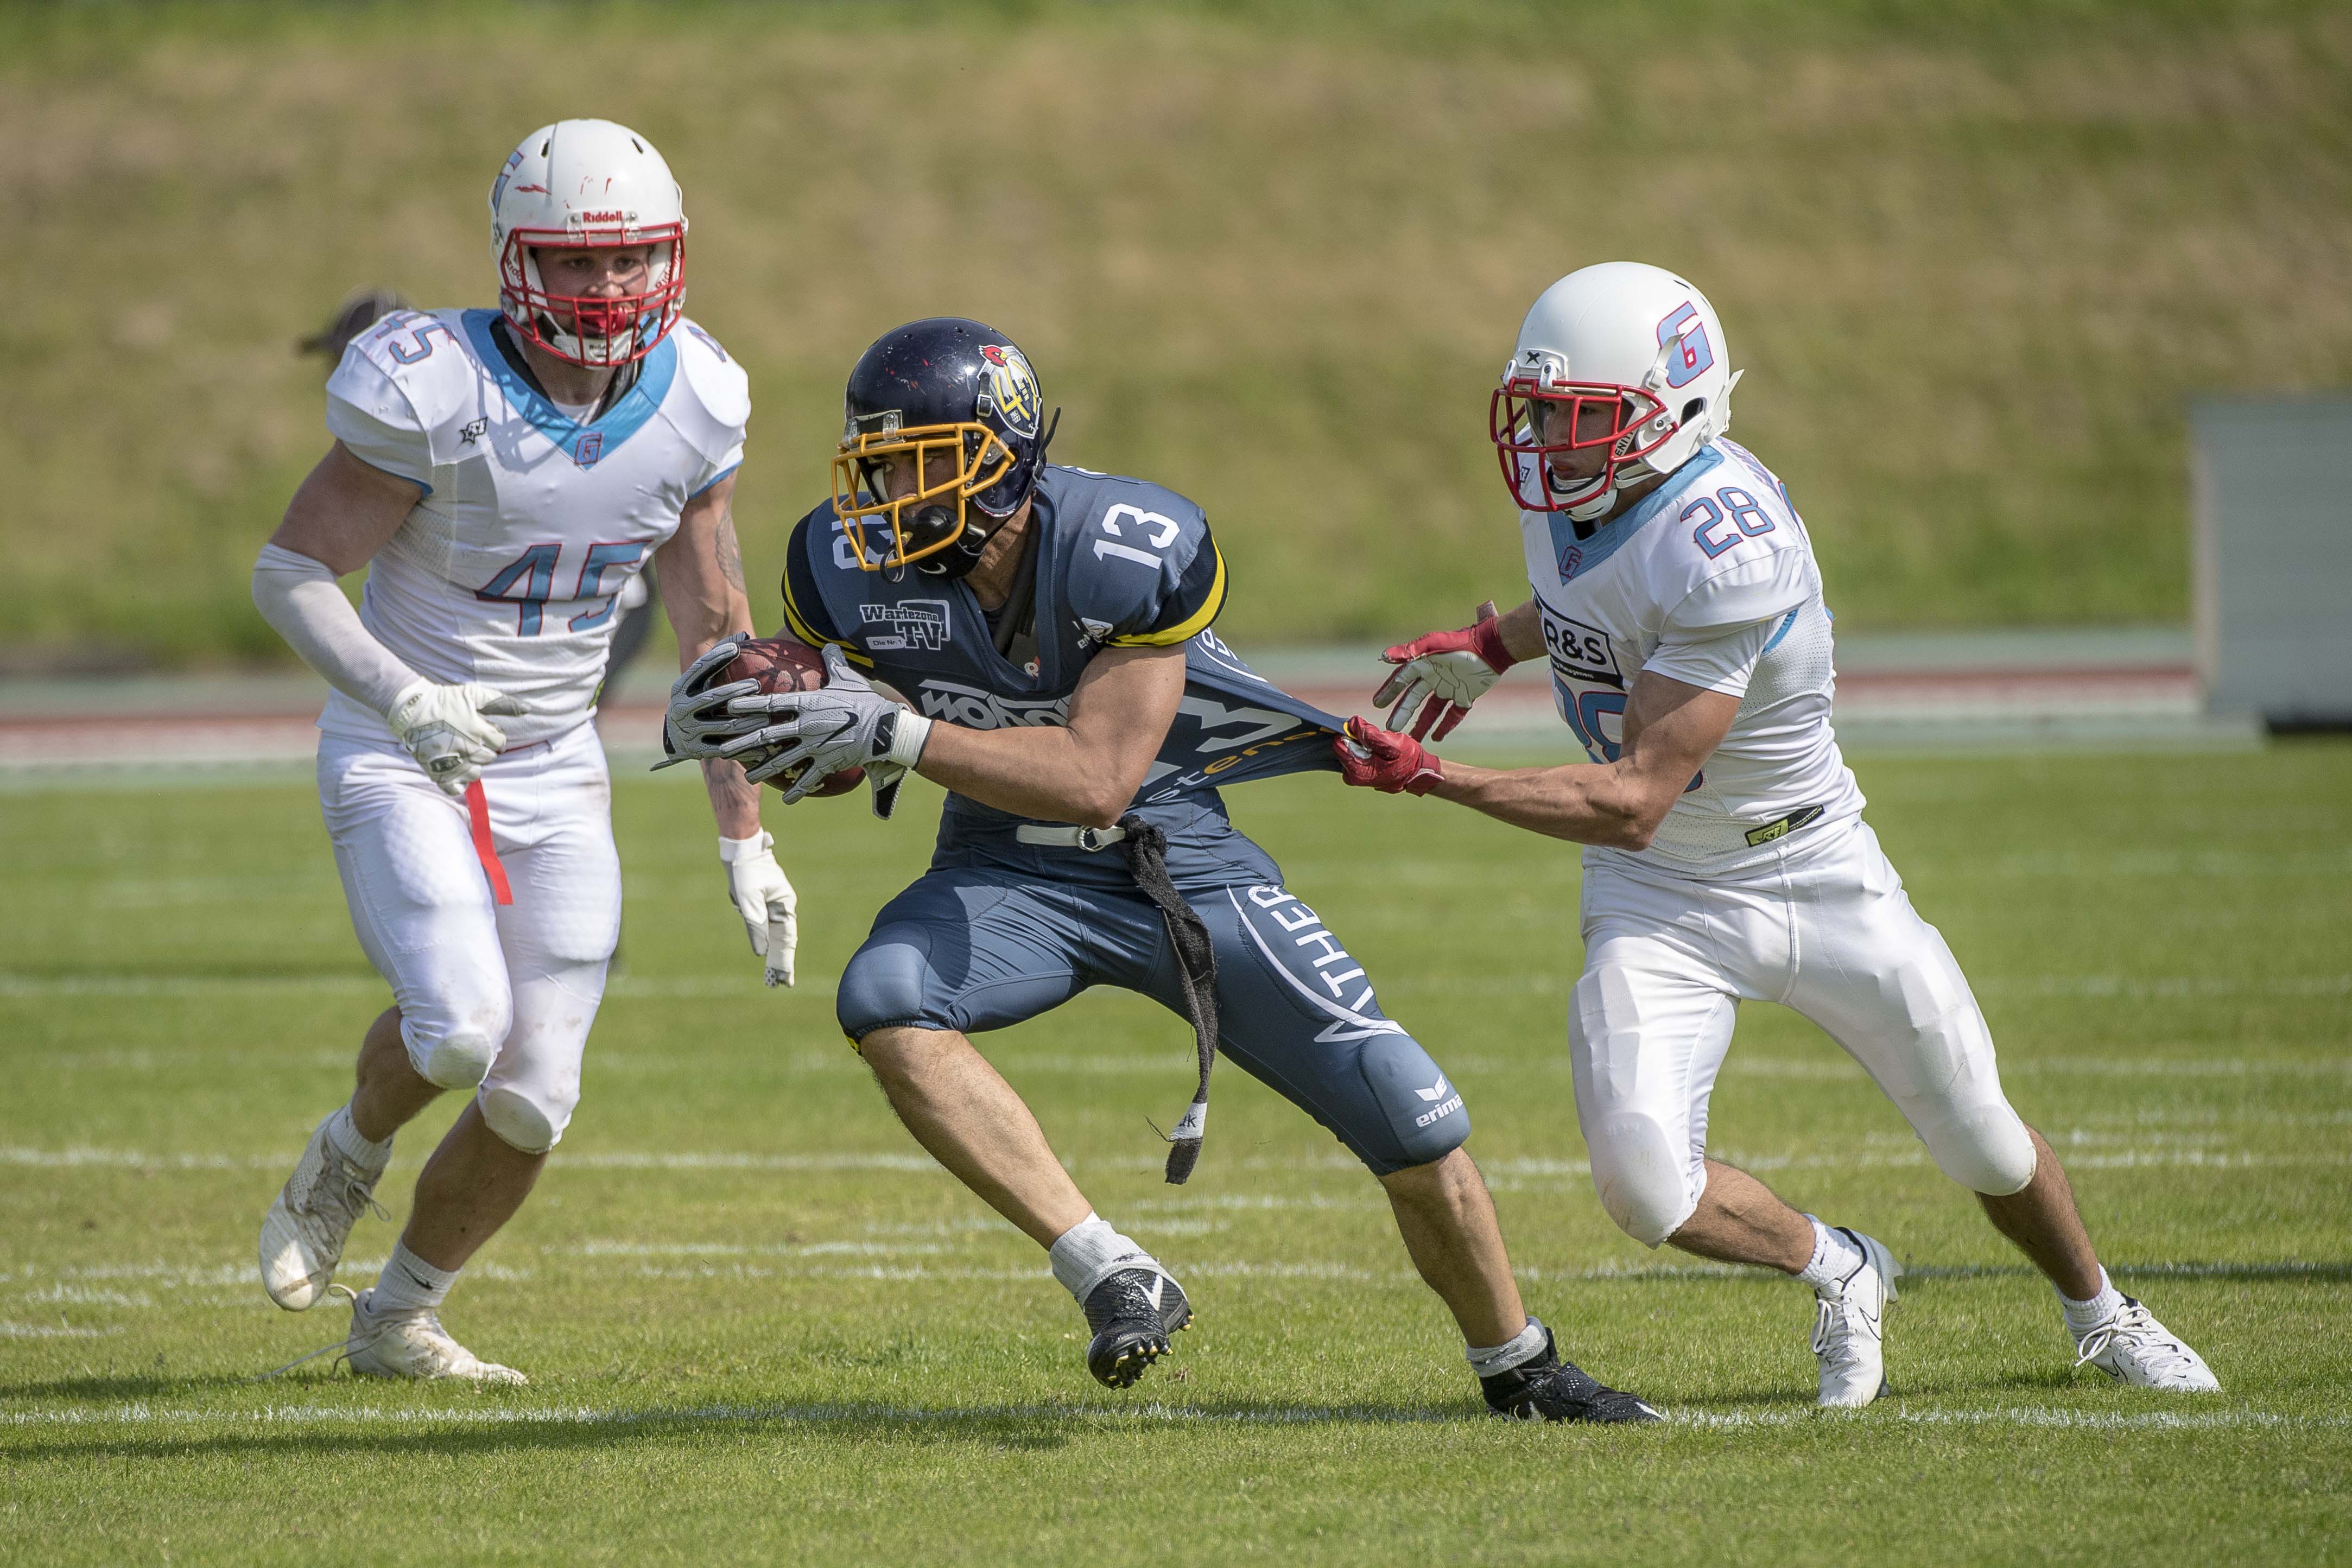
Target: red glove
(1376, 758)
(1439, 674)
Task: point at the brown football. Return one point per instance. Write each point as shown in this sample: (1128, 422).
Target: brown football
(781, 664)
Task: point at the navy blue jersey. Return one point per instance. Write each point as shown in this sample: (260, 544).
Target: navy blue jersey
(1119, 563)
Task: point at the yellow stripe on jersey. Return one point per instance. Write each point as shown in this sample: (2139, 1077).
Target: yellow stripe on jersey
(1191, 625)
(800, 628)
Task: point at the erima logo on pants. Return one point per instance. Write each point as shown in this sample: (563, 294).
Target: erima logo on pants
(1445, 1110)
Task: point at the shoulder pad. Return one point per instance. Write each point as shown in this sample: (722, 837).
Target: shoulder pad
(403, 392)
(1760, 587)
(1143, 568)
(815, 551)
(708, 403)
(423, 355)
(717, 408)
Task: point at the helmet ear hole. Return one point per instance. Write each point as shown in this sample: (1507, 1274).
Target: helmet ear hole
(1693, 408)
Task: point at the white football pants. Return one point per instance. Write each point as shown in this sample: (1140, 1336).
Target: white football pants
(1824, 928)
(493, 994)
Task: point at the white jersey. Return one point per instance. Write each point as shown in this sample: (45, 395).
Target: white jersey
(1709, 580)
(532, 524)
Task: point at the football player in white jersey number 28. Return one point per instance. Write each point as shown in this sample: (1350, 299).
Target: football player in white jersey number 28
(503, 475)
(1677, 600)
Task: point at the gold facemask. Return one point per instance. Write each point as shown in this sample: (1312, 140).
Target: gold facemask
(980, 459)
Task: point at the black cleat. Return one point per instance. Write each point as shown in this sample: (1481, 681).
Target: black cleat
(1132, 1312)
(1550, 1389)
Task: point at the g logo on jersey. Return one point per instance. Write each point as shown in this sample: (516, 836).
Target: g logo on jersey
(1008, 390)
(1683, 337)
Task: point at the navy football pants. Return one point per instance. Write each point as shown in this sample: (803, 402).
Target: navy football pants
(980, 947)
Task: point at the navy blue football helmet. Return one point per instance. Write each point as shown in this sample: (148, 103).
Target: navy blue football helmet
(953, 407)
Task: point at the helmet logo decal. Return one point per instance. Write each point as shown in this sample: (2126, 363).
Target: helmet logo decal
(1008, 390)
(499, 188)
(1683, 337)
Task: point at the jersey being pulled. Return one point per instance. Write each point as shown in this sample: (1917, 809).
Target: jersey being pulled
(531, 524)
(1709, 579)
(1119, 564)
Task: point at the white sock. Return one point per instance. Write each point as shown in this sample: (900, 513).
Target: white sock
(1090, 1251)
(409, 1282)
(1835, 1257)
(2082, 1317)
(1517, 1351)
(344, 1134)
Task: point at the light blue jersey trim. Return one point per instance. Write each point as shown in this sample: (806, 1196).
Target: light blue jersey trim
(1609, 537)
(722, 473)
(1781, 631)
(615, 425)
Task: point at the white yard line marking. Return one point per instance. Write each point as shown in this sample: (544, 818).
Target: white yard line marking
(1749, 1066)
(2082, 1155)
(51, 1331)
(2040, 1418)
(17, 983)
(76, 1158)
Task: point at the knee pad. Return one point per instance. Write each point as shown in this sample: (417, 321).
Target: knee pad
(455, 1057)
(1422, 1105)
(881, 989)
(522, 1121)
(1986, 1149)
(1644, 1181)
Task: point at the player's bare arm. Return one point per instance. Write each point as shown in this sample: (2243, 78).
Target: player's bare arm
(344, 512)
(700, 570)
(1083, 774)
(1671, 729)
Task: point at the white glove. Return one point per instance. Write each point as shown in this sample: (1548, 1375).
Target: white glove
(846, 723)
(765, 900)
(1439, 676)
(444, 729)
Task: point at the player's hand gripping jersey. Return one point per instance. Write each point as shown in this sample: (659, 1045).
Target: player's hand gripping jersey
(1710, 580)
(531, 524)
(1115, 563)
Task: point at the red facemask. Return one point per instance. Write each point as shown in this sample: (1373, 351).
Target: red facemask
(605, 332)
(1523, 412)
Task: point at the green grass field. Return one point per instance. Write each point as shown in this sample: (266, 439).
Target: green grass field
(1973, 256)
(762, 1326)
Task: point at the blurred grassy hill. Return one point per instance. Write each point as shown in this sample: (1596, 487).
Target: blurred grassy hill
(1972, 257)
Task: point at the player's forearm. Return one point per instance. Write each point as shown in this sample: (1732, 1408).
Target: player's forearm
(734, 799)
(298, 595)
(1049, 773)
(1522, 632)
(1587, 803)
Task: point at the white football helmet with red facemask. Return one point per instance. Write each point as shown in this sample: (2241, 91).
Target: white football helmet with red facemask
(580, 183)
(1621, 362)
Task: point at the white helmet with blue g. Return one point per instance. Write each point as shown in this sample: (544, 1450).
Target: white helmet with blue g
(1620, 370)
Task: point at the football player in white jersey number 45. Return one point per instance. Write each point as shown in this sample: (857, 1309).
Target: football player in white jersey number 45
(503, 475)
(1677, 600)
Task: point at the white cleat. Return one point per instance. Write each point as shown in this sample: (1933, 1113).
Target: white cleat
(2136, 1351)
(414, 1345)
(1849, 1330)
(302, 1235)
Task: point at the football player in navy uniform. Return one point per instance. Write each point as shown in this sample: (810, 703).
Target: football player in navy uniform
(1050, 628)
